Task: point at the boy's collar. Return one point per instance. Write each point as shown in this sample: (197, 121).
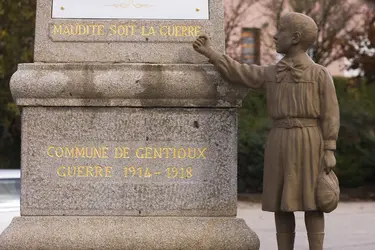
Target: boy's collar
(296, 65)
(300, 61)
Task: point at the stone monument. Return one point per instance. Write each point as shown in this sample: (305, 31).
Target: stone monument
(129, 138)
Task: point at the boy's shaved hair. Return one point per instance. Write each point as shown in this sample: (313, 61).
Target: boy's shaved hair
(303, 24)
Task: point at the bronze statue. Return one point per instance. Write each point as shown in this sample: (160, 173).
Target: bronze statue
(303, 105)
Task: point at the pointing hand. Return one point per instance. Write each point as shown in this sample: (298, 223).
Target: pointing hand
(203, 45)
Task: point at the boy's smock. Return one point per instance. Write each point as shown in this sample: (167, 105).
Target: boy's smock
(302, 103)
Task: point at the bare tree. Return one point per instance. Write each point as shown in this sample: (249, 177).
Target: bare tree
(236, 13)
(334, 18)
(359, 47)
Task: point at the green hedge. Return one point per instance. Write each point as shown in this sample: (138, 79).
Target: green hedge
(356, 145)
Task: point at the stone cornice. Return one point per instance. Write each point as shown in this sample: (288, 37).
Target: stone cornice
(123, 85)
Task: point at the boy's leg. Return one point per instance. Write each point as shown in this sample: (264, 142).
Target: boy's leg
(285, 230)
(314, 221)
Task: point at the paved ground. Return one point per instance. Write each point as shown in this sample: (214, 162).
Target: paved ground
(350, 227)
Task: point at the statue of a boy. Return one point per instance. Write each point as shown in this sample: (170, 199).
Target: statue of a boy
(303, 105)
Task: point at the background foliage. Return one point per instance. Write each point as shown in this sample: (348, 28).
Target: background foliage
(17, 21)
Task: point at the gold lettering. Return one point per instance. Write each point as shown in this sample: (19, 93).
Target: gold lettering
(71, 171)
(198, 30)
(163, 32)
(97, 153)
(125, 30)
(178, 30)
(62, 168)
(166, 152)
(59, 152)
(94, 27)
(80, 171)
(148, 153)
(68, 152)
(100, 30)
(89, 171)
(122, 152)
(201, 153)
(118, 153)
(133, 27)
(158, 154)
(184, 29)
(57, 29)
(84, 171)
(87, 153)
(98, 171)
(122, 31)
(151, 31)
(191, 31)
(82, 30)
(49, 152)
(170, 31)
(191, 151)
(104, 153)
(108, 171)
(183, 154)
(80, 152)
(112, 28)
(72, 31)
(143, 31)
(66, 31)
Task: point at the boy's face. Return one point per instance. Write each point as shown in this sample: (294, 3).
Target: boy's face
(283, 38)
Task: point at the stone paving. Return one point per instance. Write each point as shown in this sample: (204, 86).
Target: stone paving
(350, 227)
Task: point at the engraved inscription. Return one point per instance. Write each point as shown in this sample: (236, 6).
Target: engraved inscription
(128, 162)
(121, 31)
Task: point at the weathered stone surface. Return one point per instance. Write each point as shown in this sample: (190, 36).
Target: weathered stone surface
(128, 233)
(134, 49)
(210, 191)
(137, 85)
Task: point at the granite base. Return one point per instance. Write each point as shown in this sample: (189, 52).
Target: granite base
(118, 232)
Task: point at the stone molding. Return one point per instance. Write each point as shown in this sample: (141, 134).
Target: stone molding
(123, 85)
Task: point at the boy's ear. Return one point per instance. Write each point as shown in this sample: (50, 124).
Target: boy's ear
(296, 37)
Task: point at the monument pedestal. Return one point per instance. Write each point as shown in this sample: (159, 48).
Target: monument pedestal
(129, 141)
(130, 233)
(127, 156)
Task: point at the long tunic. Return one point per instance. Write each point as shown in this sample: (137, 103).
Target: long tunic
(293, 156)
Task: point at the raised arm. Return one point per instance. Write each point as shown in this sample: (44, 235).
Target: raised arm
(232, 71)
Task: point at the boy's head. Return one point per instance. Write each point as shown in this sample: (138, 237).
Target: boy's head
(295, 29)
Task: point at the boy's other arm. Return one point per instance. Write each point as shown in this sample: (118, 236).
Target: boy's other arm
(329, 117)
(232, 71)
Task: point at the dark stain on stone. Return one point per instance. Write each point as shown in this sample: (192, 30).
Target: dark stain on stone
(89, 90)
(140, 212)
(147, 138)
(147, 39)
(196, 124)
(154, 85)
